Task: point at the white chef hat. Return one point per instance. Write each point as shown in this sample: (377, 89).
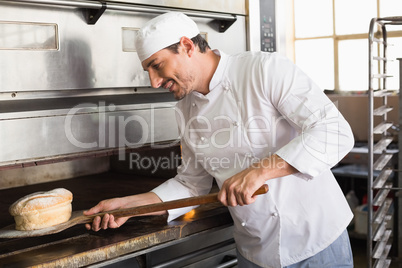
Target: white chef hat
(163, 31)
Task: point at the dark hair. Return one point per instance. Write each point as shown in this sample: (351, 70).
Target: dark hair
(198, 40)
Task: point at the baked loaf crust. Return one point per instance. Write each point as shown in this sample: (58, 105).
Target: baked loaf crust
(42, 209)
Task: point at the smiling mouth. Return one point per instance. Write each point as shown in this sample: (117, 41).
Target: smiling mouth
(168, 85)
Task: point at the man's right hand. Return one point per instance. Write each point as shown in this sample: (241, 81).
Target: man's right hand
(109, 221)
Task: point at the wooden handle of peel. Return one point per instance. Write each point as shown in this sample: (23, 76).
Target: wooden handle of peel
(185, 202)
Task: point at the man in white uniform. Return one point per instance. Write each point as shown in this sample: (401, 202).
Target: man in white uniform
(246, 120)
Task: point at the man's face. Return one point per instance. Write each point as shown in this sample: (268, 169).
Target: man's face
(170, 71)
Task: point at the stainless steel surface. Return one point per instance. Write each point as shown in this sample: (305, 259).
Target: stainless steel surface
(253, 26)
(90, 56)
(133, 7)
(399, 194)
(32, 36)
(154, 10)
(224, 6)
(73, 99)
(17, 177)
(84, 129)
(56, 102)
(80, 3)
(71, 92)
(378, 253)
(370, 149)
(205, 249)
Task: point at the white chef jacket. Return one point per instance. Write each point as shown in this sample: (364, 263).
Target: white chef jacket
(261, 104)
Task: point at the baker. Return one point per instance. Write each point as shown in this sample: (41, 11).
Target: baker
(246, 120)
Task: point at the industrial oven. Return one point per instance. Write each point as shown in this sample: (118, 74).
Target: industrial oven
(77, 111)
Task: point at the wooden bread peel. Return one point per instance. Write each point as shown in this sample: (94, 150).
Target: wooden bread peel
(77, 217)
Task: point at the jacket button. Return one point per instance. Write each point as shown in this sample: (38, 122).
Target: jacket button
(243, 224)
(275, 214)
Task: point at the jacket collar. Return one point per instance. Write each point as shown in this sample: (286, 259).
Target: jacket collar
(220, 70)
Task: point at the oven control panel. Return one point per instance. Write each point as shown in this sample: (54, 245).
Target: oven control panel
(268, 30)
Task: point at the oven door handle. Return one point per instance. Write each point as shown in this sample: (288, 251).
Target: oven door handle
(124, 7)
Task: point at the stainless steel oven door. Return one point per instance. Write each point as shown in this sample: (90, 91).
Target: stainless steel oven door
(66, 85)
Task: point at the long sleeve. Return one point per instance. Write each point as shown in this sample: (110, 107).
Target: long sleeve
(324, 136)
(191, 180)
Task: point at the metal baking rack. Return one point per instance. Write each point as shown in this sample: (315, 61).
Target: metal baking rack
(382, 189)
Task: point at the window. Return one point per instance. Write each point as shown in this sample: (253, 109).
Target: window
(331, 41)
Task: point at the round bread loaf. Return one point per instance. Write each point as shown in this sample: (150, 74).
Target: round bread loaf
(42, 209)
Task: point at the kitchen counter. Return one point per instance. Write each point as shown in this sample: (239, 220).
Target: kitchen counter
(78, 247)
